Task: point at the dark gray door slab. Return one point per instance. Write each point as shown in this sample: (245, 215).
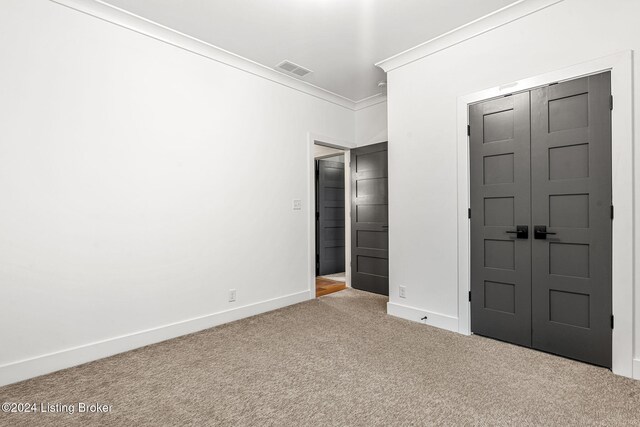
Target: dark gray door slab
(369, 219)
(542, 160)
(571, 197)
(500, 202)
(330, 217)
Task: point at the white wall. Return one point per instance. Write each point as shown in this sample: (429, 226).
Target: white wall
(140, 182)
(423, 126)
(371, 124)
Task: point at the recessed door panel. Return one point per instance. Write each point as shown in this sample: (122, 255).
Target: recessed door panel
(569, 210)
(500, 297)
(569, 162)
(569, 308)
(498, 125)
(500, 254)
(568, 259)
(499, 211)
(498, 169)
(368, 239)
(371, 213)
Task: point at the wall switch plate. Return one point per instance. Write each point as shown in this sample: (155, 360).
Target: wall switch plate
(232, 295)
(403, 291)
(297, 204)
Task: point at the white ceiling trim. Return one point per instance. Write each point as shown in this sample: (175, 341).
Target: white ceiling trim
(370, 101)
(473, 29)
(124, 19)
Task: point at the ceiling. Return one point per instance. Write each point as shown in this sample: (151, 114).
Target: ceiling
(339, 40)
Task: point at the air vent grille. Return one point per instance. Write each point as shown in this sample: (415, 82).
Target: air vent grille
(291, 68)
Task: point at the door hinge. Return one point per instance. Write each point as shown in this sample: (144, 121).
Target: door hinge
(612, 321)
(317, 257)
(469, 213)
(611, 211)
(317, 215)
(468, 130)
(469, 296)
(611, 102)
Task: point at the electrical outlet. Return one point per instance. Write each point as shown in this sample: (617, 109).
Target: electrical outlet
(297, 204)
(403, 291)
(232, 295)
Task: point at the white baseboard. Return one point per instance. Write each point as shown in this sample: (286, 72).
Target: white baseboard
(636, 369)
(47, 363)
(438, 320)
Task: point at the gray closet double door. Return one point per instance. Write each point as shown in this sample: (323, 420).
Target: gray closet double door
(541, 216)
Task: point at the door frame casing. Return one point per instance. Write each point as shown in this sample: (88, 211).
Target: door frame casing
(312, 139)
(620, 65)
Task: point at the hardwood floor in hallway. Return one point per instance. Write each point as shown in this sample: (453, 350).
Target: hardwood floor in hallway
(326, 286)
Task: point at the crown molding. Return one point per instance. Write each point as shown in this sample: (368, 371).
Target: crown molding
(140, 25)
(370, 101)
(489, 22)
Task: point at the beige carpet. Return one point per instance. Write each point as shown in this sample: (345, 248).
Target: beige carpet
(335, 361)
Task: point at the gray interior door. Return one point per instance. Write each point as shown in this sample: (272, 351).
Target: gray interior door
(500, 204)
(571, 198)
(369, 219)
(542, 160)
(330, 217)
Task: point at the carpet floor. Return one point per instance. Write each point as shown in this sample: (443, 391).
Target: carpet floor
(335, 361)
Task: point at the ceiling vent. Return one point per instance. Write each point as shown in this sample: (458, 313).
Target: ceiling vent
(291, 68)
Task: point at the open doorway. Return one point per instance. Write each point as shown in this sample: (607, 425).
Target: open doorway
(351, 220)
(331, 213)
